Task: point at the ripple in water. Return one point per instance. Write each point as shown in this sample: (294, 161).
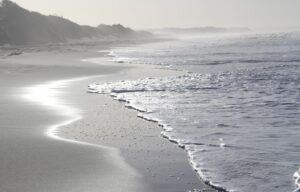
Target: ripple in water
(237, 115)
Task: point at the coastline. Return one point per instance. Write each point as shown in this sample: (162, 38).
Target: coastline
(31, 161)
(159, 164)
(162, 163)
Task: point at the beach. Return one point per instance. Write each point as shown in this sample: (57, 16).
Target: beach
(112, 96)
(230, 108)
(55, 136)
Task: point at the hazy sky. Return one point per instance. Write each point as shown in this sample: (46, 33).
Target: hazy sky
(171, 13)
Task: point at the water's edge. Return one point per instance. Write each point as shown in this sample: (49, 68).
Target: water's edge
(47, 95)
(164, 134)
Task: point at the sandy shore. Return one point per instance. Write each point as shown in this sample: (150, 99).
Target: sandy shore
(56, 137)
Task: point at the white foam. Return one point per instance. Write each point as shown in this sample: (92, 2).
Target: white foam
(296, 177)
(122, 91)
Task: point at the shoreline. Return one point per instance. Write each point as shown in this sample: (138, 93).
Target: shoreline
(152, 174)
(32, 162)
(163, 128)
(193, 183)
(44, 92)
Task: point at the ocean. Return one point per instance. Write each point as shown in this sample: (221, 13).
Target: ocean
(236, 111)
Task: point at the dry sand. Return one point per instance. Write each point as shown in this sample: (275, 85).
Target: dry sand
(106, 149)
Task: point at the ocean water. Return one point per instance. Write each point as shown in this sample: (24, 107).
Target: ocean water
(236, 111)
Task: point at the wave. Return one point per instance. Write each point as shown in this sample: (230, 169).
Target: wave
(117, 91)
(242, 90)
(159, 100)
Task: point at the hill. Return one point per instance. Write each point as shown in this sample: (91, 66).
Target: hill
(20, 27)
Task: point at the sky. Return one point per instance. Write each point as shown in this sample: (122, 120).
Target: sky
(145, 14)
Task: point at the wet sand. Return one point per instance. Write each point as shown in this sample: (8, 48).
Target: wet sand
(66, 139)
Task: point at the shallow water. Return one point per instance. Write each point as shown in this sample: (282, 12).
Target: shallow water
(237, 110)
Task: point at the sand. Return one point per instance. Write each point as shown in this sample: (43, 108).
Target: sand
(98, 144)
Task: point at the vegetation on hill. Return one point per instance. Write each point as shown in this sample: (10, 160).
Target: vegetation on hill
(20, 26)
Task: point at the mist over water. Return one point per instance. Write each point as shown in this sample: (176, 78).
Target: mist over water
(237, 111)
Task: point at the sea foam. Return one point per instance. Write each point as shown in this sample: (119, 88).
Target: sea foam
(236, 113)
